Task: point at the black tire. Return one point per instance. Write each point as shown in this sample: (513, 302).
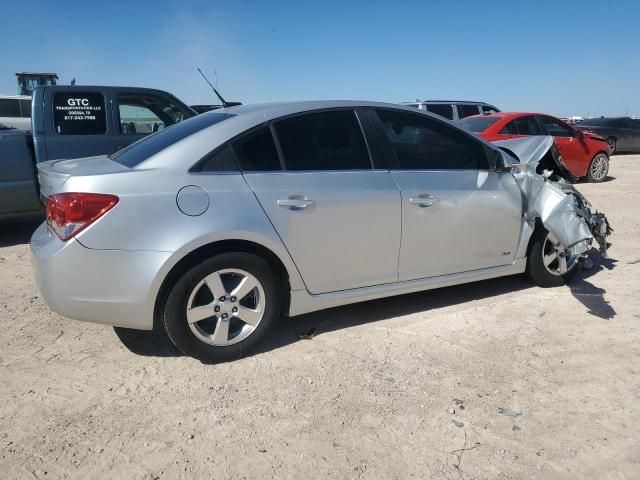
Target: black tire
(174, 316)
(613, 145)
(536, 270)
(595, 174)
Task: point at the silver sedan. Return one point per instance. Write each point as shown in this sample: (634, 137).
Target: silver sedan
(215, 227)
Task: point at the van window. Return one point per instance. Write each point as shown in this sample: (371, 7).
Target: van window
(444, 110)
(79, 113)
(25, 106)
(323, 141)
(467, 110)
(9, 107)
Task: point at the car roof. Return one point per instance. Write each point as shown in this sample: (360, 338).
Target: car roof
(285, 108)
(465, 102)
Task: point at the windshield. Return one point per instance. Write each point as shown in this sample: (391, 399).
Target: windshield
(138, 152)
(477, 124)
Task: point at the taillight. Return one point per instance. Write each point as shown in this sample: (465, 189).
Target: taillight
(70, 213)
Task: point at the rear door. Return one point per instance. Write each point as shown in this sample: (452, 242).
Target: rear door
(77, 122)
(338, 217)
(138, 113)
(458, 214)
(574, 150)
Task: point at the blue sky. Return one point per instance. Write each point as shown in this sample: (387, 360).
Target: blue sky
(563, 58)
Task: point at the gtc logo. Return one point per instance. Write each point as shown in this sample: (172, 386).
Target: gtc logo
(78, 102)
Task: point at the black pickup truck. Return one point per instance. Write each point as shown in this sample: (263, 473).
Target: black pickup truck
(75, 122)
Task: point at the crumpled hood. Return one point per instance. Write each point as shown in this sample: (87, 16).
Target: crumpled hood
(548, 197)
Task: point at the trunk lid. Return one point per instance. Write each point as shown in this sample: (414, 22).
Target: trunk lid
(53, 174)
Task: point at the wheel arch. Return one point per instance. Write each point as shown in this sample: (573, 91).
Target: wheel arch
(207, 251)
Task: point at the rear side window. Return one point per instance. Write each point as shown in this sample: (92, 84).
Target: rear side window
(443, 110)
(79, 113)
(323, 141)
(9, 107)
(221, 160)
(256, 152)
(421, 143)
(522, 126)
(467, 110)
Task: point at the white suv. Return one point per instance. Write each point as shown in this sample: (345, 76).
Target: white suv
(15, 111)
(453, 109)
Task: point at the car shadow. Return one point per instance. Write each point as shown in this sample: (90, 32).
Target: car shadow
(290, 330)
(18, 231)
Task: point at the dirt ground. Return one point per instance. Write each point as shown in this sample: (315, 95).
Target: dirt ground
(372, 395)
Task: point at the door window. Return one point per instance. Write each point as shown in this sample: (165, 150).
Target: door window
(323, 141)
(441, 109)
(256, 152)
(486, 109)
(467, 110)
(25, 106)
(9, 107)
(79, 113)
(555, 127)
(421, 143)
(522, 126)
(144, 114)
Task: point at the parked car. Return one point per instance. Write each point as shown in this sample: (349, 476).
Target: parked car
(74, 122)
(15, 111)
(214, 226)
(586, 154)
(453, 109)
(622, 134)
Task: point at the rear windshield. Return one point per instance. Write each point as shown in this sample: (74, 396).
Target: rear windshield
(138, 152)
(477, 124)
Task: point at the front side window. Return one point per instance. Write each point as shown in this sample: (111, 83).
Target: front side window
(144, 114)
(441, 109)
(467, 110)
(79, 113)
(421, 143)
(256, 152)
(9, 107)
(522, 126)
(323, 141)
(555, 127)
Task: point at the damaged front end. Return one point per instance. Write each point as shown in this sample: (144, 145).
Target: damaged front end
(548, 195)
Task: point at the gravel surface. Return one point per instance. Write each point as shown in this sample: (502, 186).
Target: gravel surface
(491, 380)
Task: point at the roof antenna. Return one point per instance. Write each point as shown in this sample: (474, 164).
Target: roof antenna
(222, 100)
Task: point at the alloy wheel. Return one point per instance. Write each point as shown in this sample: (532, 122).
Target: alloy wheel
(225, 307)
(598, 168)
(555, 258)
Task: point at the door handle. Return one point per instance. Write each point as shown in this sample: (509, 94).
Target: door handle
(295, 203)
(423, 200)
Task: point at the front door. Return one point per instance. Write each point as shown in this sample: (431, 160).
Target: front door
(337, 216)
(457, 214)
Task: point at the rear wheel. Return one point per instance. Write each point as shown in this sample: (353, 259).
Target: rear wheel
(222, 308)
(549, 264)
(599, 168)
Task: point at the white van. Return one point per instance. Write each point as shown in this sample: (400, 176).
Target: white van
(15, 111)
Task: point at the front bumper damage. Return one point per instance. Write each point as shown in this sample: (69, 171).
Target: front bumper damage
(548, 196)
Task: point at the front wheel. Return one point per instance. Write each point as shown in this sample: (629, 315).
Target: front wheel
(223, 307)
(549, 264)
(598, 169)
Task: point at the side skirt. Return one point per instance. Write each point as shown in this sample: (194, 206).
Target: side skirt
(304, 302)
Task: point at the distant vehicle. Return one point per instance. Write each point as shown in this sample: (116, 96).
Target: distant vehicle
(213, 228)
(586, 154)
(622, 133)
(74, 122)
(453, 109)
(15, 111)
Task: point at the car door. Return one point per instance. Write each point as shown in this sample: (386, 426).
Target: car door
(633, 127)
(574, 149)
(138, 113)
(458, 215)
(77, 122)
(337, 216)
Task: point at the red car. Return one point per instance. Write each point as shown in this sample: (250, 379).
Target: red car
(585, 154)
